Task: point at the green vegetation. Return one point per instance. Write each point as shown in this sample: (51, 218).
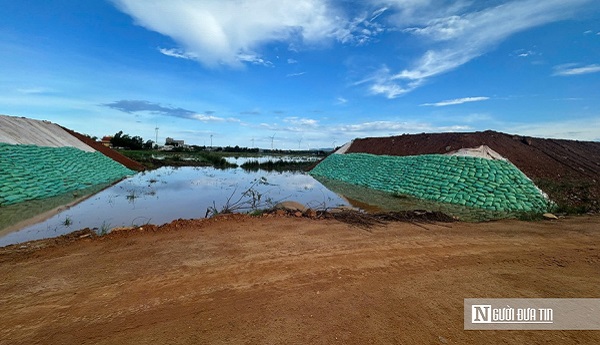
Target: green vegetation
(104, 229)
(132, 143)
(278, 165)
(147, 154)
(250, 200)
(153, 159)
(156, 159)
(131, 196)
(67, 222)
(571, 197)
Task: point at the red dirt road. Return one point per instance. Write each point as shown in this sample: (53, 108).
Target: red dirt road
(243, 280)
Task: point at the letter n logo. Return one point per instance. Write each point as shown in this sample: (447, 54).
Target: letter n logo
(481, 313)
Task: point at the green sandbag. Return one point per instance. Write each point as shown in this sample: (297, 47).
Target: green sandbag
(41, 172)
(451, 176)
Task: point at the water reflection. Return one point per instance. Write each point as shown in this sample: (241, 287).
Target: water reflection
(168, 193)
(264, 159)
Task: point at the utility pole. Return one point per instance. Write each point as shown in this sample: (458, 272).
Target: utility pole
(211, 141)
(156, 130)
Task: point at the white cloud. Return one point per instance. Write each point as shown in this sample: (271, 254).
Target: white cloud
(341, 100)
(452, 33)
(378, 13)
(459, 36)
(382, 83)
(301, 121)
(524, 53)
(576, 129)
(36, 91)
(295, 74)
(391, 127)
(217, 32)
(254, 59)
(207, 118)
(177, 53)
(360, 30)
(456, 101)
(472, 118)
(390, 90)
(572, 69)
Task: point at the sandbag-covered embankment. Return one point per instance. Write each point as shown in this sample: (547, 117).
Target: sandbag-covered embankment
(29, 172)
(568, 170)
(469, 181)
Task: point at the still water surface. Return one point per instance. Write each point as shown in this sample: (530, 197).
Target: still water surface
(168, 193)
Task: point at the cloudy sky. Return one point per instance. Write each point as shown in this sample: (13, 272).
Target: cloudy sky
(306, 73)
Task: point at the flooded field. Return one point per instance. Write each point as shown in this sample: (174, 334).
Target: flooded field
(168, 193)
(264, 159)
(162, 195)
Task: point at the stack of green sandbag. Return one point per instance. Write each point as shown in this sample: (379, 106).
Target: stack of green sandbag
(30, 172)
(469, 181)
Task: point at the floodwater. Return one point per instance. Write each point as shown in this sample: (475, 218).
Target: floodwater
(162, 195)
(264, 159)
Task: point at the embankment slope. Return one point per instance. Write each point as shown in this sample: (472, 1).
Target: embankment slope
(568, 170)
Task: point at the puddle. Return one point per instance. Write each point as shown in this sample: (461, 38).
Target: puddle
(168, 193)
(12, 215)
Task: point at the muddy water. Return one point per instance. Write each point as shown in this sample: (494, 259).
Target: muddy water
(168, 193)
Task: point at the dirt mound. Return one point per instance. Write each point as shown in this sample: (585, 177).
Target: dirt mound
(567, 170)
(129, 163)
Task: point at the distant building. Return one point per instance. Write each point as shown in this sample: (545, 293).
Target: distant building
(173, 142)
(106, 140)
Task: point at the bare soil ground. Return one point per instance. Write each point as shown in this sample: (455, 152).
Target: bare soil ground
(568, 170)
(282, 280)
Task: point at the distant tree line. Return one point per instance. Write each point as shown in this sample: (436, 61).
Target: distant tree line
(128, 142)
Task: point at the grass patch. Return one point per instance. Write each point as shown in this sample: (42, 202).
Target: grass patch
(67, 222)
(157, 159)
(572, 197)
(104, 229)
(530, 216)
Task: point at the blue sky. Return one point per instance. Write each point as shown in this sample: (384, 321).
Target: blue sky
(310, 73)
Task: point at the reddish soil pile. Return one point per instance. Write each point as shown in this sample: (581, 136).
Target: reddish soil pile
(567, 170)
(129, 163)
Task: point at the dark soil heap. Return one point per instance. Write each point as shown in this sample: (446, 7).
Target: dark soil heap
(107, 151)
(568, 170)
